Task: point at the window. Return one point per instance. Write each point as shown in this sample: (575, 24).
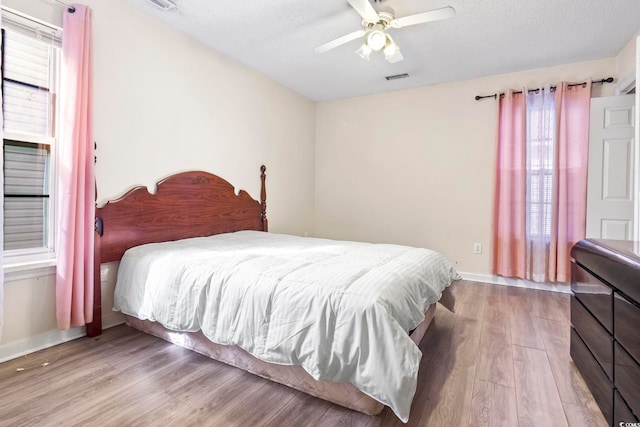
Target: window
(29, 78)
(540, 158)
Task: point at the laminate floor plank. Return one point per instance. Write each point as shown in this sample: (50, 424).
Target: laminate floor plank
(337, 416)
(40, 401)
(523, 325)
(556, 336)
(111, 388)
(493, 405)
(212, 377)
(495, 361)
(68, 355)
(145, 412)
(452, 386)
(501, 359)
(436, 343)
(223, 405)
(554, 306)
(579, 416)
(529, 300)
(250, 413)
(497, 301)
(303, 409)
(216, 391)
(431, 389)
(537, 397)
(453, 400)
(116, 395)
(569, 382)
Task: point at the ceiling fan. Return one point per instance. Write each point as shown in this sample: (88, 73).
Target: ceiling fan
(374, 27)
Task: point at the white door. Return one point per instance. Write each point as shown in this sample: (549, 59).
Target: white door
(610, 193)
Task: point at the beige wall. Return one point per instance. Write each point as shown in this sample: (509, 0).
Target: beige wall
(28, 307)
(416, 166)
(165, 103)
(626, 60)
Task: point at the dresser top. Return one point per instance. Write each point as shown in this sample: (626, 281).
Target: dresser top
(616, 262)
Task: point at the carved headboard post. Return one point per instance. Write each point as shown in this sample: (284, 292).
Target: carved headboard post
(95, 327)
(263, 198)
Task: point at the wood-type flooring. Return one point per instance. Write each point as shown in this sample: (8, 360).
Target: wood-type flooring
(502, 359)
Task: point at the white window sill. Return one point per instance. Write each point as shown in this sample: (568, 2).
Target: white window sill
(28, 270)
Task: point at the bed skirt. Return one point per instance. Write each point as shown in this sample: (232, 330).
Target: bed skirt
(343, 394)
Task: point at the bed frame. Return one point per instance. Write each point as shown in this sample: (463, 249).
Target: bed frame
(197, 204)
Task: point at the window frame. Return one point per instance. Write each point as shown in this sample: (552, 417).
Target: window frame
(17, 262)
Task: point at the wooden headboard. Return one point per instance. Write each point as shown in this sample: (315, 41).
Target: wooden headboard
(188, 204)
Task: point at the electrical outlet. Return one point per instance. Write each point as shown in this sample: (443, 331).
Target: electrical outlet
(477, 248)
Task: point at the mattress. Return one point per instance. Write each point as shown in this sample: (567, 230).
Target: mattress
(340, 310)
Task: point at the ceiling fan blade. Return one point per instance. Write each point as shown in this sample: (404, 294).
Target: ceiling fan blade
(420, 18)
(364, 8)
(397, 57)
(340, 41)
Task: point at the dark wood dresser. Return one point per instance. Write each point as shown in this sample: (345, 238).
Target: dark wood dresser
(605, 324)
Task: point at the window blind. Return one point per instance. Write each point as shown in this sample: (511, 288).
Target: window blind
(26, 80)
(26, 201)
(540, 159)
(28, 51)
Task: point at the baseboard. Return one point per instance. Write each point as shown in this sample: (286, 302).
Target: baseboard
(564, 288)
(113, 319)
(52, 338)
(35, 343)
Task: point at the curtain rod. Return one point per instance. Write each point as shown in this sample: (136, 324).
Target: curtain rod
(495, 95)
(70, 8)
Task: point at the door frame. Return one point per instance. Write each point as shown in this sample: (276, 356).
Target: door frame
(637, 154)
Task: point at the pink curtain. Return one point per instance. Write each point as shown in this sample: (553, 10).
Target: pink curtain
(509, 228)
(76, 190)
(513, 247)
(570, 203)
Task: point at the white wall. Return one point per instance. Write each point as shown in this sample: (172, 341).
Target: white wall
(416, 166)
(165, 103)
(626, 60)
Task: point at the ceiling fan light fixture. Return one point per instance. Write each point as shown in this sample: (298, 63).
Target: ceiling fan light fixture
(375, 22)
(364, 51)
(390, 48)
(376, 40)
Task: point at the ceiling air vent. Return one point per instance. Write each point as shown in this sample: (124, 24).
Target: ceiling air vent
(163, 4)
(397, 76)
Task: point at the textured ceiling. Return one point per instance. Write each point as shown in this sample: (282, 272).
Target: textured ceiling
(277, 38)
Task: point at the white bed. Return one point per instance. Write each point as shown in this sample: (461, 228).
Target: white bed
(340, 310)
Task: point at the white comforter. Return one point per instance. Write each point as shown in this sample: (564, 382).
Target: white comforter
(341, 310)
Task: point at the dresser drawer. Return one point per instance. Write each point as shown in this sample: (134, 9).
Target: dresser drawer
(593, 375)
(597, 339)
(595, 295)
(628, 378)
(621, 411)
(627, 325)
